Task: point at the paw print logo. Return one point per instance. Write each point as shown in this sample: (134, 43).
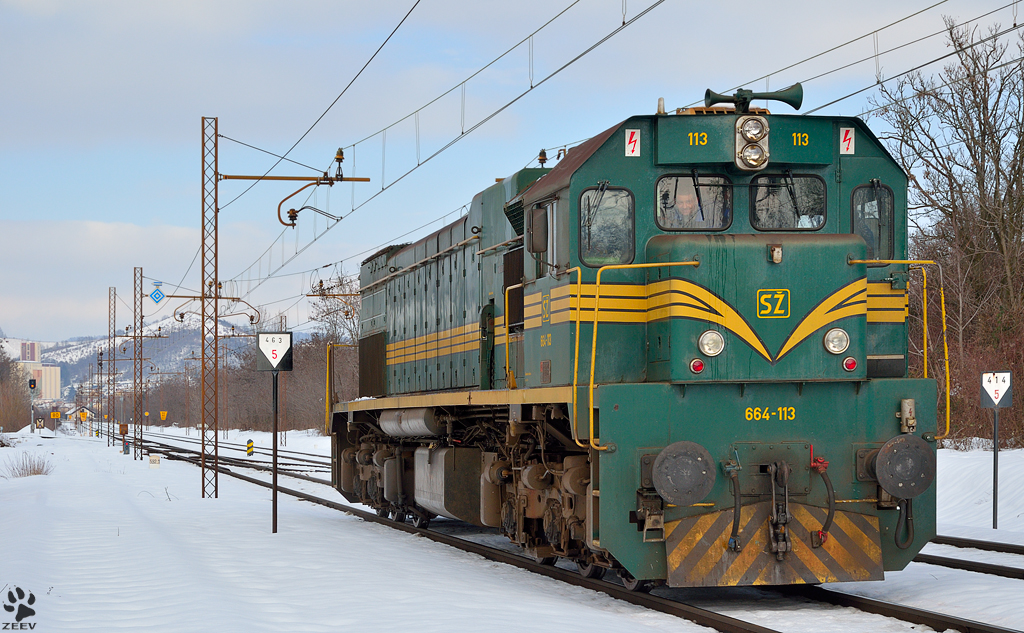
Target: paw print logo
(16, 600)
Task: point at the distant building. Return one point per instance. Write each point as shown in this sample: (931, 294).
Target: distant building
(29, 352)
(75, 414)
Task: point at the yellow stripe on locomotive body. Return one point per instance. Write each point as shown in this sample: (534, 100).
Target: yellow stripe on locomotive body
(887, 304)
(452, 341)
(676, 298)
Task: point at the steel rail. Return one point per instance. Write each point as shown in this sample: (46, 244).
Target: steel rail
(297, 461)
(938, 621)
(235, 461)
(988, 546)
(170, 453)
(164, 449)
(259, 450)
(971, 565)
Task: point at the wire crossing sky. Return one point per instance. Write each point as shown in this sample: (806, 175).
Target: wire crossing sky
(102, 171)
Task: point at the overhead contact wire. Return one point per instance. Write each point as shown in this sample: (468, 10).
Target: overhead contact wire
(472, 128)
(319, 118)
(916, 68)
(830, 50)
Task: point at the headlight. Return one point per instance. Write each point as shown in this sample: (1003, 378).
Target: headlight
(751, 142)
(753, 130)
(836, 340)
(753, 155)
(711, 343)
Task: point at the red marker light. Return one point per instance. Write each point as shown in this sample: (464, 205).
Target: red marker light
(696, 365)
(849, 363)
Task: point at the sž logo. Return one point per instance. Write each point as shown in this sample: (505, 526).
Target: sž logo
(21, 606)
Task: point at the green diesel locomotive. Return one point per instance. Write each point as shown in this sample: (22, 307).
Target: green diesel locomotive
(680, 354)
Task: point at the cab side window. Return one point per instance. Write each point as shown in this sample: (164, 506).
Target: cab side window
(606, 226)
(873, 218)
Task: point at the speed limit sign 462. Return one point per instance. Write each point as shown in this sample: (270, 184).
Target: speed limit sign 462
(275, 351)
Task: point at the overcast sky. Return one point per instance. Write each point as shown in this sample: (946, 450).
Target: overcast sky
(101, 104)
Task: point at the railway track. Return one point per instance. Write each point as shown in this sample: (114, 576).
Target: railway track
(988, 546)
(698, 615)
(297, 456)
(975, 566)
(173, 452)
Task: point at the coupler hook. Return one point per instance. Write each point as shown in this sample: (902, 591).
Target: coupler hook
(779, 473)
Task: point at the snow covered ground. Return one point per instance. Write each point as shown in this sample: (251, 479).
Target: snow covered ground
(105, 543)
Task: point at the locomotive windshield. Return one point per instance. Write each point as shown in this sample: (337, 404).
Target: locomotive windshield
(606, 226)
(788, 203)
(693, 202)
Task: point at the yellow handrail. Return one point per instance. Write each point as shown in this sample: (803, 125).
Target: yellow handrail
(924, 309)
(329, 397)
(593, 343)
(330, 385)
(942, 303)
(576, 353)
(510, 378)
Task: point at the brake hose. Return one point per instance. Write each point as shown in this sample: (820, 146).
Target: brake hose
(734, 539)
(820, 466)
(905, 522)
(818, 538)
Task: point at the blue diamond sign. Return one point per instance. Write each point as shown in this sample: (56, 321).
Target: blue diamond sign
(157, 295)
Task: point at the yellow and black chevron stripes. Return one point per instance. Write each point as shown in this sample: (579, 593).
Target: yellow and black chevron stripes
(624, 304)
(680, 298)
(886, 304)
(698, 555)
(850, 300)
(460, 339)
(684, 299)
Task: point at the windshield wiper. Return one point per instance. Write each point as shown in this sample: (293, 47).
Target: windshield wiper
(696, 188)
(787, 177)
(592, 210)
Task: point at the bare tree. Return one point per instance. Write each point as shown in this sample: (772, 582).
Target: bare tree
(336, 310)
(14, 395)
(960, 137)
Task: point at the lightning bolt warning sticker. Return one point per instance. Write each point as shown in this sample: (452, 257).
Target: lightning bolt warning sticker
(632, 142)
(846, 138)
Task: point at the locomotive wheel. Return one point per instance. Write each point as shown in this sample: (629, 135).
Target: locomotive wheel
(419, 521)
(634, 584)
(547, 560)
(383, 511)
(589, 570)
(398, 516)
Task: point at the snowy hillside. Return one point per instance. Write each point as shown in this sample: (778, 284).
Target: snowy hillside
(171, 344)
(12, 346)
